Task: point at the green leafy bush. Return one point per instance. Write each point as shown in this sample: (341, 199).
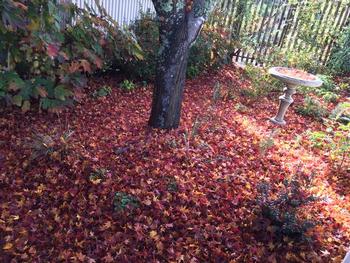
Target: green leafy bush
(312, 108)
(102, 92)
(340, 58)
(328, 83)
(127, 85)
(48, 48)
(330, 97)
(261, 82)
(284, 208)
(147, 35)
(341, 113)
(336, 140)
(123, 201)
(328, 91)
(211, 49)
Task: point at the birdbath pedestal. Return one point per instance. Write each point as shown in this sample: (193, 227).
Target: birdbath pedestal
(292, 78)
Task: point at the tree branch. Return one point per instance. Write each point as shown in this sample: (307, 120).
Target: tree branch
(194, 26)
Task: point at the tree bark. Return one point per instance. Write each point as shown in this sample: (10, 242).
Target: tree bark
(178, 30)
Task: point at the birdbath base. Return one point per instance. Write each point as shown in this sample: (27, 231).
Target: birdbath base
(285, 101)
(292, 78)
(282, 122)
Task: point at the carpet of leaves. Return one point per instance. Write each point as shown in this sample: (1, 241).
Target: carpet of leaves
(196, 185)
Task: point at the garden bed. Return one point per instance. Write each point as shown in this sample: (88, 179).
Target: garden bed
(191, 192)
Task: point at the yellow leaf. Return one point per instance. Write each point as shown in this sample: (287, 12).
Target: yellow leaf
(7, 246)
(147, 202)
(153, 234)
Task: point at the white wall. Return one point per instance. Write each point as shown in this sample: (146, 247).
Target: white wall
(123, 11)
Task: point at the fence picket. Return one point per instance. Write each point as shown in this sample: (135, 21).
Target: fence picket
(268, 23)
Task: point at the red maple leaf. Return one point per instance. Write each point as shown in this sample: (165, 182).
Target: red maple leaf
(52, 50)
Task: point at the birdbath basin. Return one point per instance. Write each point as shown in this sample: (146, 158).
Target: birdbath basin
(292, 78)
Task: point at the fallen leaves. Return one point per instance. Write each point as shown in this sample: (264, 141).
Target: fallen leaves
(194, 200)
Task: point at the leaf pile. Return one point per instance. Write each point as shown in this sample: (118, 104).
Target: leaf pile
(125, 193)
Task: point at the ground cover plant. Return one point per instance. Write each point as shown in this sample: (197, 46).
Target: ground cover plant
(46, 55)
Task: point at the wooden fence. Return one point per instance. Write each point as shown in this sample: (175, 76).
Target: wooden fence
(267, 25)
(261, 25)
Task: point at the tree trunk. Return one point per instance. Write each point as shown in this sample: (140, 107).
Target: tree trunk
(178, 29)
(170, 82)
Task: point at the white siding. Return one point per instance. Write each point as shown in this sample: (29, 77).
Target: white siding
(123, 11)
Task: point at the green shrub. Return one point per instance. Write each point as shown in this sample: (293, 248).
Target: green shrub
(284, 207)
(302, 59)
(328, 83)
(123, 201)
(211, 49)
(336, 141)
(340, 58)
(312, 108)
(48, 55)
(261, 82)
(127, 85)
(330, 97)
(341, 113)
(147, 35)
(102, 92)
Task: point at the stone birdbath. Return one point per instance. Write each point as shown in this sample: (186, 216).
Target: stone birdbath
(292, 78)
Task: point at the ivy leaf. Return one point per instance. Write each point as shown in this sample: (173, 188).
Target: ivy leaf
(61, 92)
(26, 106)
(17, 100)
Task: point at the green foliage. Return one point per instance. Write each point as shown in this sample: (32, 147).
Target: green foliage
(284, 207)
(340, 58)
(261, 82)
(328, 83)
(336, 138)
(123, 201)
(341, 113)
(211, 49)
(328, 91)
(147, 35)
(127, 85)
(45, 56)
(312, 108)
(301, 59)
(172, 185)
(345, 86)
(330, 97)
(53, 146)
(102, 92)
